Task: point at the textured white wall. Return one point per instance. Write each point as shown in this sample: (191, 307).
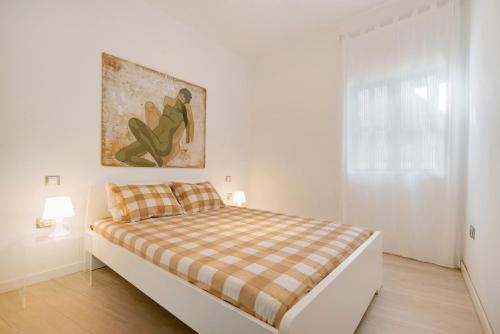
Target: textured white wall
(482, 254)
(50, 107)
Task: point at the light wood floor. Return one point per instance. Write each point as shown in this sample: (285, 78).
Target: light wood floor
(420, 298)
(416, 298)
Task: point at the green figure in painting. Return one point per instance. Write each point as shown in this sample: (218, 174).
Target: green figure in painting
(160, 135)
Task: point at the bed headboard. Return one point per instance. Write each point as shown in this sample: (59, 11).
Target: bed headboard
(97, 204)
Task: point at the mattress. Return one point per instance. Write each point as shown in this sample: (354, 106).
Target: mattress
(261, 262)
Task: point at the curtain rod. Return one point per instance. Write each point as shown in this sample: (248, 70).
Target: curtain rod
(406, 14)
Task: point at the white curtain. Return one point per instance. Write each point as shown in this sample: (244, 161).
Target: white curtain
(404, 132)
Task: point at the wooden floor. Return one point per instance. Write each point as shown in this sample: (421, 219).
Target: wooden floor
(420, 298)
(416, 298)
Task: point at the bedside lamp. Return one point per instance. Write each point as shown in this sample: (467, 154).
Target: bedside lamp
(239, 198)
(58, 208)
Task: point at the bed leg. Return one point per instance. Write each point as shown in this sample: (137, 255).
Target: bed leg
(89, 262)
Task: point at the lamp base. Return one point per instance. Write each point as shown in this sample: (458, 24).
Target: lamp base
(60, 231)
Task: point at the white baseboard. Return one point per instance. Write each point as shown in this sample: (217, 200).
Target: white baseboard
(17, 283)
(477, 302)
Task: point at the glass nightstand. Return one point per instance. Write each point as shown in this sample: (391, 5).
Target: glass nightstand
(42, 256)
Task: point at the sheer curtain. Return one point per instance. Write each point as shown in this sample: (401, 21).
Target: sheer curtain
(404, 132)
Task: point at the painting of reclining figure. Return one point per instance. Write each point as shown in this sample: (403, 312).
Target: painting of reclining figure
(150, 119)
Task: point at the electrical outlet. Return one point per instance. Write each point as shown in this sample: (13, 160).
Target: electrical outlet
(229, 197)
(228, 178)
(472, 232)
(43, 223)
(52, 180)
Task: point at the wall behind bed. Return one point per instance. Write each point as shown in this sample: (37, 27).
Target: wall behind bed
(297, 108)
(50, 102)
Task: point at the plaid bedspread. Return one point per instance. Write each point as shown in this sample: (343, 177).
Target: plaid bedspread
(261, 262)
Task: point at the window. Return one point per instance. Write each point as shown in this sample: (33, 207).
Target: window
(398, 125)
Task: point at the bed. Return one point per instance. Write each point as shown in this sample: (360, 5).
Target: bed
(241, 270)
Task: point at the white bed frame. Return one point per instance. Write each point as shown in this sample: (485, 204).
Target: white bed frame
(335, 305)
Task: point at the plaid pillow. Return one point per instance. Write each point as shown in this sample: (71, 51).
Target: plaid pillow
(197, 197)
(113, 206)
(136, 202)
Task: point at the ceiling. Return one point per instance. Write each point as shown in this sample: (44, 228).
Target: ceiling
(250, 26)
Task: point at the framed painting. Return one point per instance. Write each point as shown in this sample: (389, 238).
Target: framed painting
(150, 119)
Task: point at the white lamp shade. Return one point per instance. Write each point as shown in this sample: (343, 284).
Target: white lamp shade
(58, 208)
(239, 197)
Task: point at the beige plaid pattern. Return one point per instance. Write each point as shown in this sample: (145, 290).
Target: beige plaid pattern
(197, 197)
(259, 261)
(137, 202)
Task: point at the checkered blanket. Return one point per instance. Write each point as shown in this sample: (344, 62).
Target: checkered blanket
(259, 261)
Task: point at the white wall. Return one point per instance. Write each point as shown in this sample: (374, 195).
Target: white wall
(50, 108)
(482, 254)
(296, 162)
